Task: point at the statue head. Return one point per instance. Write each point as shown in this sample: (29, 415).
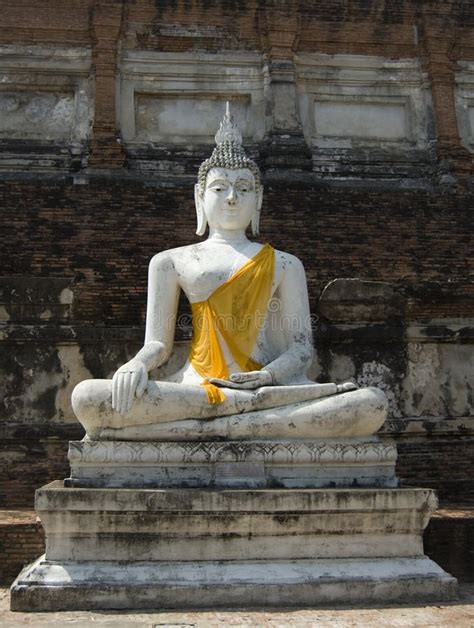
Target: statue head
(228, 179)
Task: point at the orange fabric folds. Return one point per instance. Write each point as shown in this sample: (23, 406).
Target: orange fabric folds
(236, 311)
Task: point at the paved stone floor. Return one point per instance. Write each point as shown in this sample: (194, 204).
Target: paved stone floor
(458, 614)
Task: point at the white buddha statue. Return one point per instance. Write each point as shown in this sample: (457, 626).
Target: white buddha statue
(245, 377)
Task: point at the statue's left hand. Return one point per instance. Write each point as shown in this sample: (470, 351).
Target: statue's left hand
(245, 381)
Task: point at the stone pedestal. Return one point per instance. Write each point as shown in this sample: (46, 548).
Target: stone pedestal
(237, 464)
(122, 548)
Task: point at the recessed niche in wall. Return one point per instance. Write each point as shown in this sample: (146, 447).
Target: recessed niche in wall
(361, 118)
(180, 98)
(347, 99)
(177, 118)
(45, 93)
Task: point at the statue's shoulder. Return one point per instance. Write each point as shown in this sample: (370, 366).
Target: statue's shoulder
(170, 257)
(286, 261)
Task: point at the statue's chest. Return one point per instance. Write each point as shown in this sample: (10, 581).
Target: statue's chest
(200, 280)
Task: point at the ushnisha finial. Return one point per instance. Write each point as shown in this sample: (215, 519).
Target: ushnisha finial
(228, 130)
(228, 153)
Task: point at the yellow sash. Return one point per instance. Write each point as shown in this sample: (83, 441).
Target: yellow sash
(238, 310)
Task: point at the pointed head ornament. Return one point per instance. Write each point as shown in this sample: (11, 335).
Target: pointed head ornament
(228, 152)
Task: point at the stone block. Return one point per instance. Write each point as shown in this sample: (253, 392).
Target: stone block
(305, 464)
(347, 300)
(209, 584)
(25, 298)
(189, 548)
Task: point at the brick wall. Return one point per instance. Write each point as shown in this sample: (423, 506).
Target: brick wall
(101, 236)
(449, 541)
(21, 541)
(88, 226)
(29, 459)
(438, 33)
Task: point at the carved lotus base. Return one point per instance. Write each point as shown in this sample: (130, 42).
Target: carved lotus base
(235, 464)
(191, 548)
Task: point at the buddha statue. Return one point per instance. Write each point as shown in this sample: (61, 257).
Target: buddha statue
(245, 377)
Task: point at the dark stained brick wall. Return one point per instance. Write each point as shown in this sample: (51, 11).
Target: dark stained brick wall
(102, 236)
(97, 238)
(443, 463)
(21, 541)
(29, 459)
(449, 540)
(438, 33)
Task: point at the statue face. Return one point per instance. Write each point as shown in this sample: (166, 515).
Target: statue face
(230, 200)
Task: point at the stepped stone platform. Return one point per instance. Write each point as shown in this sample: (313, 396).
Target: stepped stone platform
(193, 548)
(448, 541)
(231, 524)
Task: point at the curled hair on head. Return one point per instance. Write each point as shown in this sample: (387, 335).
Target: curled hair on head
(228, 153)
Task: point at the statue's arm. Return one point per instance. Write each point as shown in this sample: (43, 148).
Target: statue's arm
(162, 303)
(295, 320)
(294, 315)
(162, 306)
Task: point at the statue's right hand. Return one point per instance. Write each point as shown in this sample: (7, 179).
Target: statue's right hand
(129, 381)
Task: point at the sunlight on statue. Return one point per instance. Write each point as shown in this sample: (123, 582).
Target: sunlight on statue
(245, 376)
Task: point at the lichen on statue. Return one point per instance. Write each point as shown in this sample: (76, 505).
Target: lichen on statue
(245, 377)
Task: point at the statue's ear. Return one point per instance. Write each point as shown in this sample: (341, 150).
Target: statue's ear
(256, 217)
(200, 213)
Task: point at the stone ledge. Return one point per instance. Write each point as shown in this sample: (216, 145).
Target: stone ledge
(142, 548)
(107, 585)
(84, 524)
(55, 496)
(447, 540)
(304, 452)
(259, 464)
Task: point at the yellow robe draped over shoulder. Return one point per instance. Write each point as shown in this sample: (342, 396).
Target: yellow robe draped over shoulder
(237, 311)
